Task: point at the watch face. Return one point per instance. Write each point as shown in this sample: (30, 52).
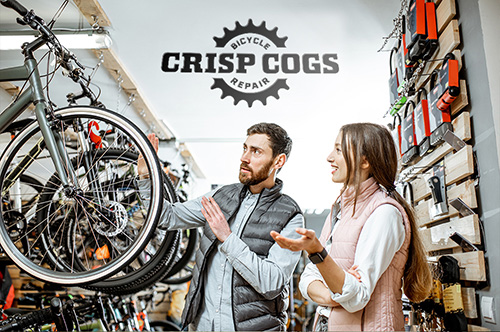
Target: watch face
(318, 257)
(315, 258)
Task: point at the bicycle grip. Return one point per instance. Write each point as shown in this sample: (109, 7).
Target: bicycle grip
(39, 317)
(15, 5)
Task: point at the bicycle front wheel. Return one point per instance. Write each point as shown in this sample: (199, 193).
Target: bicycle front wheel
(151, 265)
(110, 231)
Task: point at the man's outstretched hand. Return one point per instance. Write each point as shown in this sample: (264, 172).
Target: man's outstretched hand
(142, 168)
(215, 218)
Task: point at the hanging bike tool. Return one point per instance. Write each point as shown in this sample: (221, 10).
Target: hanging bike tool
(438, 190)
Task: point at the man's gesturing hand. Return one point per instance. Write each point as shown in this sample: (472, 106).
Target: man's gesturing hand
(142, 168)
(215, 218)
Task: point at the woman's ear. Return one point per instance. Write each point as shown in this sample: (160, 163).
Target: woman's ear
(365, 165)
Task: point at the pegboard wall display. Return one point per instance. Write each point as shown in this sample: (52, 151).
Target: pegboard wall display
(431, 125)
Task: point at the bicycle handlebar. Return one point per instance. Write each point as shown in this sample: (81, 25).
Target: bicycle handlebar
(66, 58)
(15, 5)
(36, 23)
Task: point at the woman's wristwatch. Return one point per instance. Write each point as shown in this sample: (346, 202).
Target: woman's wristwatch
(318, 257)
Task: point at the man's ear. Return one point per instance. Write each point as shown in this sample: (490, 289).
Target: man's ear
(279, 161)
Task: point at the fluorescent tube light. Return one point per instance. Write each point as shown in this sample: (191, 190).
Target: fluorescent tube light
(70, 41)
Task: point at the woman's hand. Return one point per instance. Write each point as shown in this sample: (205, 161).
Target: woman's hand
(308, 242)
(354, 272)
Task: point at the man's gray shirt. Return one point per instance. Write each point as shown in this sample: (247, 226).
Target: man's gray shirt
(265, 275)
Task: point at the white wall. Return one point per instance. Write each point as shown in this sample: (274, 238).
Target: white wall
(489, 10)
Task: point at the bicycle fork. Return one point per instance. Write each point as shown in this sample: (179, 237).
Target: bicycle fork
(53, 142)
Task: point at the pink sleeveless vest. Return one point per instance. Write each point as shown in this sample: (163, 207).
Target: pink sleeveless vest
(384, 310)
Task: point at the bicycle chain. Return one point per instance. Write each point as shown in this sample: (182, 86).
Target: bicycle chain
(408, 85)
(398, 21)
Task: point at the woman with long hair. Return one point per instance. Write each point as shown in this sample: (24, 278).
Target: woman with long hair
(369, 248)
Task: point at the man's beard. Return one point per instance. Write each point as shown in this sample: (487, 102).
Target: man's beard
(251, 179)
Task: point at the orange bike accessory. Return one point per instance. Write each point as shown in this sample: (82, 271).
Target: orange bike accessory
(102, 252)
(424, 43)
(416, 21)
(94, 135)
(440, 88)
(450, 83)
(432, 41)
(422, 125)
(417, 30)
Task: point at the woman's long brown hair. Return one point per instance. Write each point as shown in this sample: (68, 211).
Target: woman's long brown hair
(375, 143)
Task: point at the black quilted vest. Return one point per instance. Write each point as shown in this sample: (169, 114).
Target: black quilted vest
(251, 311)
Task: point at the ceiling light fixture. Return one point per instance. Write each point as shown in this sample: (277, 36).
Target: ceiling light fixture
(71, 40)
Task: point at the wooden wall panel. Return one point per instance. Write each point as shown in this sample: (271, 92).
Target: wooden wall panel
(438, 237)
(459, 165)
(466, 191)
(445, 12)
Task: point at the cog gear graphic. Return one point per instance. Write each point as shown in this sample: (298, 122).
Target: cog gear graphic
(250, 28)
(250, 97)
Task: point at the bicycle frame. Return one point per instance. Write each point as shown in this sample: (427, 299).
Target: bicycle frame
(36, 96)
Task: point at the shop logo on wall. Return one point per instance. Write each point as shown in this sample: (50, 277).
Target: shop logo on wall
(258, 69)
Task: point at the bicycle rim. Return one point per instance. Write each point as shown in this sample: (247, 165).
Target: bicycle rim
(76, 125)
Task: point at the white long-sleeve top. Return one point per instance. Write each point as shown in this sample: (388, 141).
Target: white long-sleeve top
(381, 237)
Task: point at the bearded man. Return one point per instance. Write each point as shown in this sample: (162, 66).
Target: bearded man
(241, 277)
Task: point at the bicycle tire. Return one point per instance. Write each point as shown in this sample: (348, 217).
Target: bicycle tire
(187, 256)
(182, 271)
(154, 269)
(123, 131)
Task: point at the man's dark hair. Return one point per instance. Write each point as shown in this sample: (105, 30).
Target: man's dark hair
(280, 142)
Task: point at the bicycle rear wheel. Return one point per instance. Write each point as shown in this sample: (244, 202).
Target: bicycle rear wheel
(89, 201)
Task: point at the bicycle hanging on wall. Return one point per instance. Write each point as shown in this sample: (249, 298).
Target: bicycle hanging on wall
(92, 221)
